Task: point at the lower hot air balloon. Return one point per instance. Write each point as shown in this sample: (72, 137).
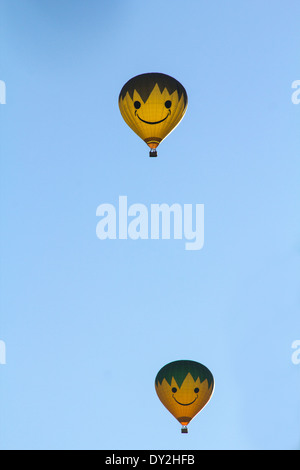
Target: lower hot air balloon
(184, 388)
(152, 104)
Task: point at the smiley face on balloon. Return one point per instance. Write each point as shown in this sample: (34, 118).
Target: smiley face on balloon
(184, 387)
(152, 104)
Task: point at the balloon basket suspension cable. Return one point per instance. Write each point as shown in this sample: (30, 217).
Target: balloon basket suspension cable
(153, 153)
(184, 430)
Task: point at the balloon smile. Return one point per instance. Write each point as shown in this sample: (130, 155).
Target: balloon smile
(156, 122)
(185, 404)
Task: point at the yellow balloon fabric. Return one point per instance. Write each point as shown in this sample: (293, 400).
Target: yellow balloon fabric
(152, 104)
(184, 388)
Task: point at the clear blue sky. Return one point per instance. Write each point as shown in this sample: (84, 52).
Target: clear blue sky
(88, 323)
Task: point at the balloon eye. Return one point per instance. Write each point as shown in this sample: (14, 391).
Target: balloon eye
(137, 104)
(196, 390)
(168, 104)
(174, 389)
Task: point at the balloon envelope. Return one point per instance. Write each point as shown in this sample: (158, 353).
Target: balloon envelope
(184, 387)
(152, 104)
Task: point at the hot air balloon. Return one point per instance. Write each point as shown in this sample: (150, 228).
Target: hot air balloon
(184, 388)
(152, 104)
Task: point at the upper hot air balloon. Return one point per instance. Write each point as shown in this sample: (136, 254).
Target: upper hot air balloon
(152, 104)
(184, 388)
